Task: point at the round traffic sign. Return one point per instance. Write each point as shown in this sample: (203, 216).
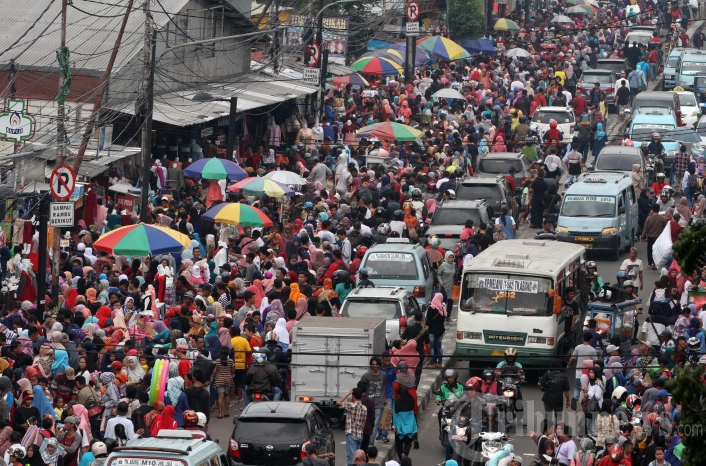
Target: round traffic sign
(62, 182)
(413, 10)
(313, 50)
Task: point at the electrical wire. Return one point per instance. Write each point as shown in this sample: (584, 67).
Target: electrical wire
(27, 31)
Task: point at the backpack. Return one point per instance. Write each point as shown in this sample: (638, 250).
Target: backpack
(692, 180)
(587, 459)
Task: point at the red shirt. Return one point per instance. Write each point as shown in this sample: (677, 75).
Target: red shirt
(579, 104)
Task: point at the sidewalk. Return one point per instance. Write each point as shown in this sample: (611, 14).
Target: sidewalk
(430, 380)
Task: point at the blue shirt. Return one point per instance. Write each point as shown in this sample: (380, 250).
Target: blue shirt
(391, 373)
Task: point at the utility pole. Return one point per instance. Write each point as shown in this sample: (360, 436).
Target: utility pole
(42, 255)
(147, 77)
(13, 77)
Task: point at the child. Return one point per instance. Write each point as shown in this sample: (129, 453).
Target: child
(222, 382)
(144, 364)
(59, 407)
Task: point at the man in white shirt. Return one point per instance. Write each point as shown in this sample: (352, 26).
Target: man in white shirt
(121, 419)
(345, 180)
(633, 267)
(346, 248)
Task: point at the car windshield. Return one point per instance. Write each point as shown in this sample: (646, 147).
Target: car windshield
(588, 206)
(474, 192)
(543, 116)
(257, 428)
(600, 78)
(639, 38)
(446, 216)
(499, 166)
(617, 162)
(506, 294)
(700, 82)
(392, 265)
(687, 100)
(672, 62)
(372, 308)
(616, 66)
(643, 132)
(689, 68)
(448, 242)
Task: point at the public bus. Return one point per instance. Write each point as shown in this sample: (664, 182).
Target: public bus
(511, 297)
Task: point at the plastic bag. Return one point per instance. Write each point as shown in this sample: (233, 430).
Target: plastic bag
(662, 249)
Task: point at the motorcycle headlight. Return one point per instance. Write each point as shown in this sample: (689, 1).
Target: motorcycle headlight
(508, 393)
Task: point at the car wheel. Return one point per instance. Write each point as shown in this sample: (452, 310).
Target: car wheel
(615, 255)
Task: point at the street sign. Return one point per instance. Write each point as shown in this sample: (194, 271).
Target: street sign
(62, 182)
(61, 214)
(413, 28)
(413, 10)
(312, 76)
(313, 50)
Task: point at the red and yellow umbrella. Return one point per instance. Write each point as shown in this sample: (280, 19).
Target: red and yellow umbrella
(142, 240)
(236, 213)
(377, 66)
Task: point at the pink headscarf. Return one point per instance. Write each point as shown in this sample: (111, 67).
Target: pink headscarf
(437, 303)
(259, 291)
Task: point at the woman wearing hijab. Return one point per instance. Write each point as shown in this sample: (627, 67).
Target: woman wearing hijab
(302, 308)
(684, 211)
(594, 391)
(43, 361)
(409, 354)
(5, 431)
(104, 313)
(435, 318)
(282, 334)
(213, 345)
(447, 279)
(404, 422)
(175, 396)
(359, 458)
(275, 312)
(132, 369)
(84, 424)
(108, 359)
(111, 396)
(165, 421)
(51, 451)
(42, 403)
(224, 337)
(259, 292)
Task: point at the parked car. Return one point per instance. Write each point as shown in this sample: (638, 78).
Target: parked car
(496, 191)
(395, 304)
(616, 65)
(457, 212)
(275, 433)
(689, 108)
(499, 163)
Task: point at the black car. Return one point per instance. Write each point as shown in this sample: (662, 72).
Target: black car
(496, 191)
(276, 432)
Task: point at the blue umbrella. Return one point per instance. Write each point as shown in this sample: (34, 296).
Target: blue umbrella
(421, 56)
(479, 46)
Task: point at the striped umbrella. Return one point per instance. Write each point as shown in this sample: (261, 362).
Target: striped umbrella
(593, 3)
(215, 169)
(504, 24)
(420, 55)
(582, 10)
(391, 131)
(258, 186)
(142, 240)
(443, 48)
(354, 79)
(377, 66)
(236, 213)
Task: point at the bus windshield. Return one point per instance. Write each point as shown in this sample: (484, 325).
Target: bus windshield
(506, 294)
(691, 67)
(588, 206)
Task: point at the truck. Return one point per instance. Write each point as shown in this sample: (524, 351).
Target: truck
(331, 354)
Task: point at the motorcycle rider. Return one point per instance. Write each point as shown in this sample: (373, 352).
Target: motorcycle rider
(510, 364)
(596, 279)
(468, 409)
(383, 232)
(418, 204)
(263, 377)
(614, 457)
(656, 149)
(451, 389)
(489, 385)
(660, 183)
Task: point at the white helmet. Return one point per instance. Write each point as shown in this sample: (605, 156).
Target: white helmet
(618, 393)
(202, 420)
(452, 193)
(605, 294)
(99, 448)
(434, 242)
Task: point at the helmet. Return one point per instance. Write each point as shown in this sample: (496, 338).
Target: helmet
(661, 175)
(656, 135)
(361, 250)
(100, 448)
(384, 228)
(616, 452)
(618, 393)
(693, 344)
(458, 172)
(259, 358)
(668, 190)
(434, 242)
(529, 140)
(416, 194)
(452, 193)
(363, 271)
(628, 283)
(632, 401)
(341, 275)
(190, 418)
(202, 420)
(591, 265)
(652, 417)
(431, 186)
(534, 128)
(451, 373)
(474, 383)
(398, 215)
(523, 119)
(622, 274)
(511, 352)
(552, 124)
(380, 211)
(488, 375)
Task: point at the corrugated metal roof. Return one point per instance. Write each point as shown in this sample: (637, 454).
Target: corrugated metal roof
(90, 33)
(253, 91)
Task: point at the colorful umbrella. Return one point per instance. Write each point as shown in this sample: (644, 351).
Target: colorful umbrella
(377, 66)
(354, 79)
(142, 240)
(286, 177)
(236, 213)
(259, 186)
(593, 3)
(390, 54)
(582, 10)
(420, 55)
(443, 48)
(504, 24)
(479, 46)
(391, 131)
(215, 169)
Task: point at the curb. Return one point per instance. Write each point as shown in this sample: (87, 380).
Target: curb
(430, 380)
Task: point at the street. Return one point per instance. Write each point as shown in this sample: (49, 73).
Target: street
(431, 452)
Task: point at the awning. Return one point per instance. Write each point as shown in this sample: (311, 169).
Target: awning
(253, 91)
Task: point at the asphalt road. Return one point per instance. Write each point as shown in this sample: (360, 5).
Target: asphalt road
(431, 452)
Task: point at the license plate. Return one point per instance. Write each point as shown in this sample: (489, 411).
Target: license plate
(587, 246)
(585, 239)
(497, 353)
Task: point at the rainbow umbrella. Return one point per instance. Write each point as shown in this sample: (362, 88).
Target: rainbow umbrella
(259, 186)
(593, 3)
(504, 24)
(354, 79)
(142, 240)
(215, 169)
(378, 66)
(443, 48)
(582, 10)
(420, 55)
(391, 131)
(236, 213)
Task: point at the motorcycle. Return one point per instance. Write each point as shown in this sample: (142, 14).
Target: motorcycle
(483, 445)
(445, 416)
(509, 380)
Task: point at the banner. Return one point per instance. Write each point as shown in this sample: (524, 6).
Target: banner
(335, 35)
(126, 202)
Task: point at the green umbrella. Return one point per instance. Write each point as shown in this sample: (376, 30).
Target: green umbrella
(391, 131)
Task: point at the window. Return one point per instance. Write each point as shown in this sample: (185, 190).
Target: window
(631, 195)
(320, 420)
(425, 266)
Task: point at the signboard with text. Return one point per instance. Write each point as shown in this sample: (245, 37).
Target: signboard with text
(61, 214)
(334, 34)
(126, 202)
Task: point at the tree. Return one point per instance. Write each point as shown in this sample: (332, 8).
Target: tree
(689, 249)
(689, 390)
(466, 19)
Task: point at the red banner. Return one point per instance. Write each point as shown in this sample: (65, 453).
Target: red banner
(126, 202)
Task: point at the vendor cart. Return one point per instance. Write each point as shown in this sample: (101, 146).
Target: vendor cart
(616, 319)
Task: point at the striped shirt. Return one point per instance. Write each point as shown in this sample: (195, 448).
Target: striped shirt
(355, 418)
